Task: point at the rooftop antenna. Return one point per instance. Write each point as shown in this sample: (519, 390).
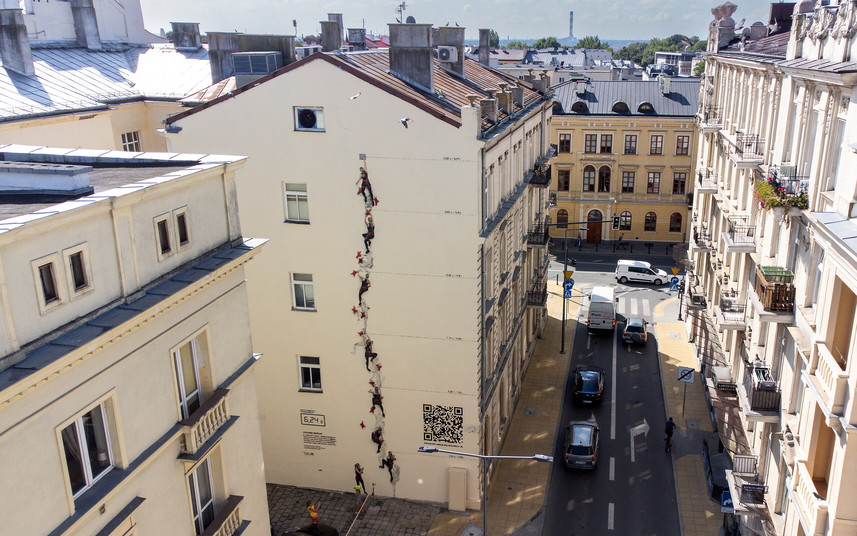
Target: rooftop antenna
(401, 9)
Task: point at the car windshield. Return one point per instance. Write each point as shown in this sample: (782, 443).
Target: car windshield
(634, 329)
(589, 386)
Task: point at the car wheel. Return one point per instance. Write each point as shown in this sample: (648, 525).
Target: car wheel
(623, 279)
(657, 282)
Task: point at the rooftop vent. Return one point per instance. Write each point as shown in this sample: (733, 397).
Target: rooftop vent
(27, 179)
(581, 88)
(250, 66)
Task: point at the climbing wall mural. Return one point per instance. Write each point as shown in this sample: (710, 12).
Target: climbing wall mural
(364, 344)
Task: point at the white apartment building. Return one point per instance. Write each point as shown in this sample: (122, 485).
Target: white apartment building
(127, 382)
(773, 294)
(454, 153)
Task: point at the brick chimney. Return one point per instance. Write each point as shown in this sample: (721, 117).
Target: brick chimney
(14, 43)
(331, 36)
(485, 47)
(452, 37)
(85, 24)
(411, 56)
(186, 35)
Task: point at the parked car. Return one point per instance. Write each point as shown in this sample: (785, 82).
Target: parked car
(588, 384)
(639, 271)
(581, 445)
(636, 331)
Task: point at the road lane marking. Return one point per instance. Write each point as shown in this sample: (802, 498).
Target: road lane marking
(610, 516)
(612, 468)
(613, 393)
(635, 309)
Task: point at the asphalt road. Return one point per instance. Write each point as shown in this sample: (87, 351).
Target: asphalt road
(632, 490)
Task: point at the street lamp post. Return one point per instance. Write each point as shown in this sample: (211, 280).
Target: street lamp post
(483, 457)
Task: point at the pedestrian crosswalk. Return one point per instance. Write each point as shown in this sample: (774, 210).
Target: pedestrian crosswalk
(631, 306)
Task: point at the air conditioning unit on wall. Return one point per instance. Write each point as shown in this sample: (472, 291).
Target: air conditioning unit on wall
(447, 54)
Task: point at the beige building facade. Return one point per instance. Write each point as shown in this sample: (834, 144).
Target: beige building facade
(623, 148)
(773, 294)
(127, 381)
(407, 254)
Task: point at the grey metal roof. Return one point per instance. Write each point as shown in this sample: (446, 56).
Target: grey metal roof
(840, 226)
(70, 79)
(556, 58)
(682, 100)
(820, 65)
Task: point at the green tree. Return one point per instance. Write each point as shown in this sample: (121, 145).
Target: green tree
(592, 41)
(517, 44)
(633, 52)
(547, 42)
(699, 69)
(493, 39)
(699, 46)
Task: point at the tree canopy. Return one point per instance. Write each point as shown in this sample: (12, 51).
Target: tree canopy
(493, 39)
(592, 42)
(644, 53)
(517, 44)
(547, 42)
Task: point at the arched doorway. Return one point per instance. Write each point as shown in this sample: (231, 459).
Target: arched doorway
(593, 236)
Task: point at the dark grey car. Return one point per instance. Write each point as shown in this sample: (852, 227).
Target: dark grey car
(581, 445)
(636, 331)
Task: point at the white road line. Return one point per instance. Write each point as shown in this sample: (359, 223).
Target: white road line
(647, 309)
(610, 516)
(612, 468)
(613, 392)
(635, 310)
(588, 340)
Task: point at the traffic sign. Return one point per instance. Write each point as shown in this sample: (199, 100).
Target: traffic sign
(568, 293)
(568, 274)
(675, 270)
(568, 284)
(685, 374)
(673, 283)
(726, 504)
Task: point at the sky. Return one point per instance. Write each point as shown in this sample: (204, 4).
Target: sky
(515, 19)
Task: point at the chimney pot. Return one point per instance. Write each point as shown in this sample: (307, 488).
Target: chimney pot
(85, 24)
(471, 98)
(491, 92)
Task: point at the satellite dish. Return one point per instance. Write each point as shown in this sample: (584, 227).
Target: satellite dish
(410, 20)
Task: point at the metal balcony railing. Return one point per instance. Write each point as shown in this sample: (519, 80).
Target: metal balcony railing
(706, 179)
(711, 116)
(537, 296)
(763, 392)
(750, 146)
(775, 289)
(204, 422)
(745, 464)
(732, 307)
(541, 176)
(538, 235)
(702, 238)
(741, 231)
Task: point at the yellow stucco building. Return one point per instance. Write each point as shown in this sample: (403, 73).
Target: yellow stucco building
(623, 148)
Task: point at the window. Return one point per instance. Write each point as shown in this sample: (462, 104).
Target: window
(682, 145)
(78, 275)
(654, 184)
(187, 375)
(309, 119)
(49, 285)
(304, 292)
(77, 271)
(201, 495)
(131, 141)
(589, 179)
(675, 222)
(562, 179)
(162, 228)
(48, 281)
(86, 446)
(589, 142)
(181, 227)
(565, 143)
(630, 144)
(625, 221)
(297, 203)
(657, 144)
(561, 219)
(607, 143)
(651, 221)
(628, 181)
(310, 373)
(679, 180)
(604, 179)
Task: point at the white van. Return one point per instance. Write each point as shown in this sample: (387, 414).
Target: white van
(639, 271)
(602, 309)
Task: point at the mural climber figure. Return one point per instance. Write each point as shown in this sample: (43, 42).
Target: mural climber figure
(377, 439)
(376, 400)
(368, 353)
(365, 188)
(370, 231)
(388, 462)
(364, 286)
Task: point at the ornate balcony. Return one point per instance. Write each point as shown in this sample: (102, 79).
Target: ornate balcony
(760, 395)
(204, 422)
(831, 378)
(710, 119)
(538, 236)
(706, 181)
(748, 151)
(812, 505)
(540, 177)
(730, 312)
(537, 296)
(782, 188)
(740, 235)
(701, 239)
(227, 521)
(774, 294)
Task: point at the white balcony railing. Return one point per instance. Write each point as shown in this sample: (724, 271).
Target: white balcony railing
(833, 380)
(205, 422)
(813, 506)
(227, 521)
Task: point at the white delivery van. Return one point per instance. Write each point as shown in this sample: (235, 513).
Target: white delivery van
(602, 309)
(640, 271)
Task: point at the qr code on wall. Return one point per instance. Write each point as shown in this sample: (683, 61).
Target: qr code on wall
(443, 424)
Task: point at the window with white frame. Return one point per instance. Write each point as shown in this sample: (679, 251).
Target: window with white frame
(310, 373)
(297, 203)
(309, 118)
(187, 360)
(163, 234)
(131, 141)
(304, 292)
(77, 269)
(201, 495)
(48, 275)
(86, 446)
(180, 219)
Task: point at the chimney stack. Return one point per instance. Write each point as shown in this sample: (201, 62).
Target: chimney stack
(357, 38)
(337, 18)
(186, 35)
(489, 106)
(14, 43)
(85, 24)
(411, 57)
(485, 47)
(221, 46)
(504, 99)
(452, 37)
(331, 36)
(518, 95)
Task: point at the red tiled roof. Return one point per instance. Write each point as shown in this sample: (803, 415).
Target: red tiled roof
(211, 92)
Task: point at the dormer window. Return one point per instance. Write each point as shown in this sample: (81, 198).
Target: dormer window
(646, 108)
(579, 107)
(620, 107)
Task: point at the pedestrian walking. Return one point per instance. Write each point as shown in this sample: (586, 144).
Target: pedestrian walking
(668, 434)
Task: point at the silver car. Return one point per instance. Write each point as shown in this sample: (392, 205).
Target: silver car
(581, 445)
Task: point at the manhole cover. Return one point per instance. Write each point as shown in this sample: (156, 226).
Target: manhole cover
(692, 424)
(529, 411)
(675, 335)
(472, 530)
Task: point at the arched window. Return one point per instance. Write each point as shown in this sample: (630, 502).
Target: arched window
(675, 222)
(604, 179)
(651, 221)
(646, 108)
(561, 219)
(625, 221)
(620, 107)
(589, 179)
(579, 107)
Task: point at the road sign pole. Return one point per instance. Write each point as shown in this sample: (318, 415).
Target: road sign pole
(684, 399)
